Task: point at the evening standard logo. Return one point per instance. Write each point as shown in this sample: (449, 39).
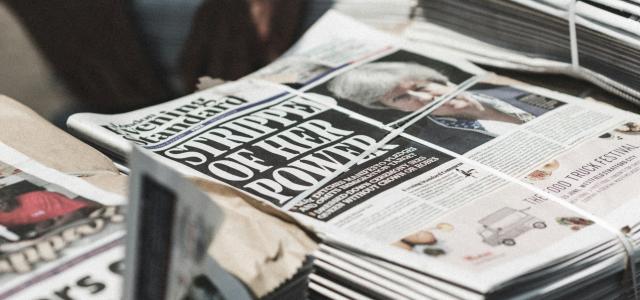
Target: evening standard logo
(165, 124)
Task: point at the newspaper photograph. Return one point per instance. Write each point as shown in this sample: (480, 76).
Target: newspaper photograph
(394, 86)
(479, 114)
(50, 222)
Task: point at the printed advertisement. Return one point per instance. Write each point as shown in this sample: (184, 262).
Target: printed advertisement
(595, 174)
(496, 228)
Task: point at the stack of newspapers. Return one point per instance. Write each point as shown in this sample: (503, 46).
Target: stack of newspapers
(593, 39)
(424, 175)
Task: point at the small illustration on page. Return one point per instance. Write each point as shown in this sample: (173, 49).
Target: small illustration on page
(425, 241)
(629, 128)
(467, 173)
(612, 136)
(575, 223)
(503, 226)
(39, 219)
(544, 172)
(29, 211)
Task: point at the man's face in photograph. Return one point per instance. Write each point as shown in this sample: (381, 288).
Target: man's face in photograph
(411, 95)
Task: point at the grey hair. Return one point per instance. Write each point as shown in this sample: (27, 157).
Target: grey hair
(367, 84)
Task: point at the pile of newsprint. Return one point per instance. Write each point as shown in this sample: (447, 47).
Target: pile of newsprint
(422, 176)
(597, 40)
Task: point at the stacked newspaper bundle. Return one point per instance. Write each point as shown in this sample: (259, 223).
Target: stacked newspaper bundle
(425, 176)
(597, 40)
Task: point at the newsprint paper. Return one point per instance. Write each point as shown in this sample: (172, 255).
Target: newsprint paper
(170, 226)
(60, 237)
(409, 155)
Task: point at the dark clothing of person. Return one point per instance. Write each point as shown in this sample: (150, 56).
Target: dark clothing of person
(96, 47)
(512, 96)
(462, 140)
(457, 140)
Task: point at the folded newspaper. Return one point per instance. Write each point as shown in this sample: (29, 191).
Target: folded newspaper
(62, 229)
(596, 40)
(426, 176)
(60, 237)
(173, 223)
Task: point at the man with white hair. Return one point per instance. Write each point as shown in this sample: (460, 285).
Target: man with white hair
(409, 87)
(384, 85)
(470, 119)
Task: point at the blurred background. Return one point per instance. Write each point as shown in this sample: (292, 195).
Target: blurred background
(109, 56)
(25, 74)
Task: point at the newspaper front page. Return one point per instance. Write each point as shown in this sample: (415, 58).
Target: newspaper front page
(52, 226)
(417, 157)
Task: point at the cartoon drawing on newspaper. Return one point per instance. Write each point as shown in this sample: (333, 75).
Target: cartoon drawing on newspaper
(506, 224)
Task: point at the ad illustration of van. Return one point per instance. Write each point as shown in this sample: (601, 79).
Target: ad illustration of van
(503, 226)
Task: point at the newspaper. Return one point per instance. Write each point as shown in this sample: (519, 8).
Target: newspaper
(52, 226)
(552, 36)
(170, 121)
(243, 250)
(417, 157)
(170, 227)
(30, 134)
(42, 142)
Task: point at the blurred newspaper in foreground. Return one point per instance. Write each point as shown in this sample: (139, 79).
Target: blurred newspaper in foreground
(62, 224)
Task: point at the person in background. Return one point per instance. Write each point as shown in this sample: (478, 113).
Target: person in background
(119, 55)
